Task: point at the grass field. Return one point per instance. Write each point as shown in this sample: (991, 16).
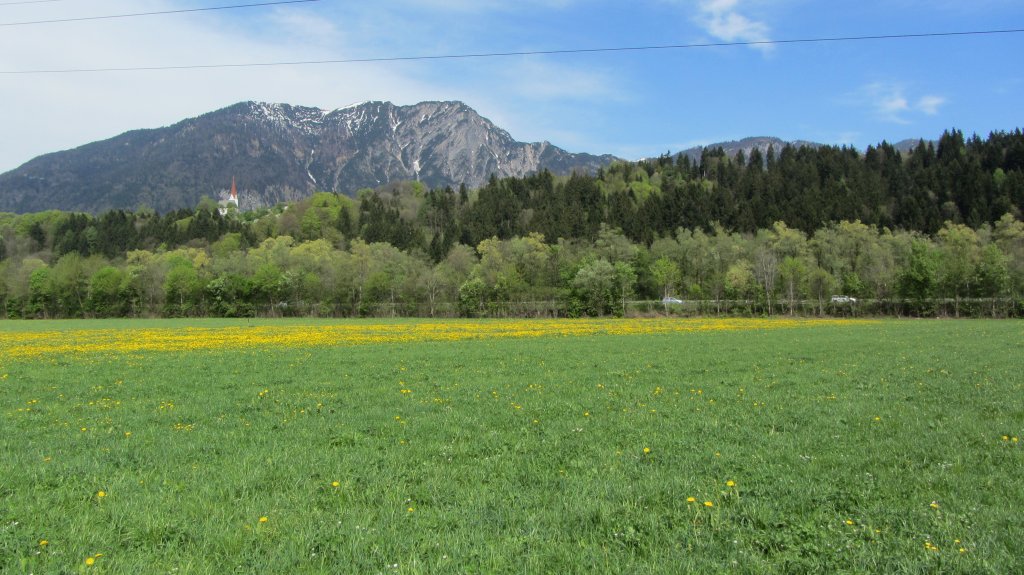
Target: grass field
(670, 446)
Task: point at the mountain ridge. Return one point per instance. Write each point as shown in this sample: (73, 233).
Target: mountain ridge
(282, 152)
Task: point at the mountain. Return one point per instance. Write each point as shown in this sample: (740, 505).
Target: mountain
(280, 152)
(747, 145)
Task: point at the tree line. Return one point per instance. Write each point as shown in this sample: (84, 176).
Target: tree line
(933, 230)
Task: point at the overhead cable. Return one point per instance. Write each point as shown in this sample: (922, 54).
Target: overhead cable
(20, 2)
(162, 12)
(520, 53)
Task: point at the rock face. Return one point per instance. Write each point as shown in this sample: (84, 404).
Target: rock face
(280, 152)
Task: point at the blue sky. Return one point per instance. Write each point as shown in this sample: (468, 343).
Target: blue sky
(633, 104)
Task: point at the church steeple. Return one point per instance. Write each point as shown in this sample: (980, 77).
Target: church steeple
(232, 200)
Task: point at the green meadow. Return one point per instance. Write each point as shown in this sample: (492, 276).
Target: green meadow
(885, 447)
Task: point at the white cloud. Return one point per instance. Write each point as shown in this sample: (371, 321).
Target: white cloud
(61, 111)
(481, 6)
(723, 20)
(536, 79)
(889, 102)
(929, 105)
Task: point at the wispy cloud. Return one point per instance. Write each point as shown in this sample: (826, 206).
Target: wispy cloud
(930, 104)
(723, 20)
(481, 6)
(536, 79)
(59, 111)
(889, 102)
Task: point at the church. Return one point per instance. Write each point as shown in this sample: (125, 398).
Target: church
(230, 204)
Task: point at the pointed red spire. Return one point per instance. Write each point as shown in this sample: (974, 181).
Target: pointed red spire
(234, 190)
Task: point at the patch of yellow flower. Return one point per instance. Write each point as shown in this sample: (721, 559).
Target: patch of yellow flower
(34, 344)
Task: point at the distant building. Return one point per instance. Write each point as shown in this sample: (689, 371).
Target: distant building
(230, 204)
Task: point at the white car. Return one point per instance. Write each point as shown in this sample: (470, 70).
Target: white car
(843, 299)
(671, 300)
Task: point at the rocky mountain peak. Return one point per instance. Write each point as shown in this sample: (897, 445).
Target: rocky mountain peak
(280, 152)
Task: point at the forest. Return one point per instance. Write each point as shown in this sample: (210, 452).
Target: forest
(935, 230)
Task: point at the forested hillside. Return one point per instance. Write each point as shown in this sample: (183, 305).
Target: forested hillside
(935, 230)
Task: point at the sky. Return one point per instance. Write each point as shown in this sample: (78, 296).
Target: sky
(634, 104)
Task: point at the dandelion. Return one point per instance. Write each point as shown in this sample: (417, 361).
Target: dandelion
(934, 505)
(849, 521)
(647, 450)
(730, 483)
(691, 499)
(264, 519)
(43, 542)
(411, 509)
(101, 494)
(167, 340)
(90, 561)
(335, 484)
(708, 504)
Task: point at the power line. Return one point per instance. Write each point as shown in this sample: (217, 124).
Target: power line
(524, 53)
(28, 2)
(182, 11)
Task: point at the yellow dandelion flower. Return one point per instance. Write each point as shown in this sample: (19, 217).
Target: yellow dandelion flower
(691, 499)
(264, 519)
(730, 483)
(934, 505)
(411, 509)
(335, 484)
(647, 450)
(849, 521)
(90, 560)
(708, 504)
(101, 494)
(43, 542)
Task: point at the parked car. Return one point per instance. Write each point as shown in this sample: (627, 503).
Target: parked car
(843, 299)
(668, 300)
